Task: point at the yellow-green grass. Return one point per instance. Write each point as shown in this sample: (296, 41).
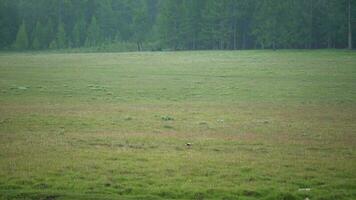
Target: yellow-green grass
(262, 124)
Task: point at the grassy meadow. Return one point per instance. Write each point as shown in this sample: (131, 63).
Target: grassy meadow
(262, 124)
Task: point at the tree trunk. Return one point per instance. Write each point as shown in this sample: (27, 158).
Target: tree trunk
(234, 27)
(328, 21)
(138, 46)
(235, 36)
(243, 40)
(194, 44)
(311, 24)
(350, 28)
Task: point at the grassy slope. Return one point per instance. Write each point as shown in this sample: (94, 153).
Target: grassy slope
(263, 125)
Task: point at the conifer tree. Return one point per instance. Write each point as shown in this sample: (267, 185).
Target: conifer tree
(38, 36)
(21, 42)
(61, 40)
(79, 33)
(48, 33)
(178, 24)
(93, 36)
(140, 24)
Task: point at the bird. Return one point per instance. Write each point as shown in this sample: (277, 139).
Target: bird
(189, 145)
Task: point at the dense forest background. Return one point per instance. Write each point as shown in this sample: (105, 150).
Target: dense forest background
(176, 24)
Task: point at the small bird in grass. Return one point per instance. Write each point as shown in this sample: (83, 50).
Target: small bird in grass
(189, 145)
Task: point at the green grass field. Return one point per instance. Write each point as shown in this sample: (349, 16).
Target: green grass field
(263, 125)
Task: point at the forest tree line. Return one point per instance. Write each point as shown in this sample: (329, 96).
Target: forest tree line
(177, 24)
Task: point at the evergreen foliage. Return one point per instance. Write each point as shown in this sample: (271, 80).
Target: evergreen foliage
(38, 36)
(21, 42)
(61, 40)
(178, 24)
(93, 37)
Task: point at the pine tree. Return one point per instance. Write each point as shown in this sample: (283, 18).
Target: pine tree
(190, 23)
(213, 20)
(79, 33)
(61, 40)
(140, 24)
(170, 23)
(38, 35)
(8, 23)
(21, 42)
(349, 25)
(106, 19)
(268, 29)
(48, 33)
(93, 36)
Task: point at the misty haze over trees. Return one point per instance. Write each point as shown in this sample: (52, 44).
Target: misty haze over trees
(176, 24)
